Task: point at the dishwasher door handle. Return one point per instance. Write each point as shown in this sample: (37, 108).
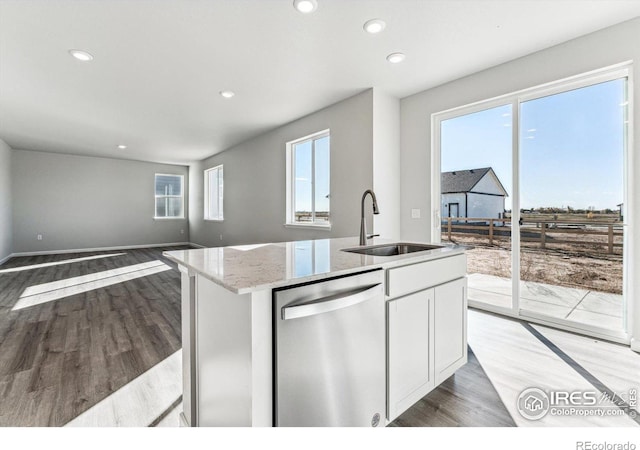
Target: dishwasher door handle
(331, 303)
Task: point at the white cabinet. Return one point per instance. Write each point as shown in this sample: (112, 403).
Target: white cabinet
(410, 355)
(415, 277)
(426, 332)
(450, 327)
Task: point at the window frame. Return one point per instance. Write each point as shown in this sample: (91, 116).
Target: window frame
(207, 192)
(290, 221)
(156, 197)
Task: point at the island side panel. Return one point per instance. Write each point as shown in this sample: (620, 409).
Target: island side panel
(223, 361)
(189, 416)
(262, 358)
(234, 366)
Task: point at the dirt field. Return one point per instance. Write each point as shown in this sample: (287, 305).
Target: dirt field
(599, 217)
(575, 266)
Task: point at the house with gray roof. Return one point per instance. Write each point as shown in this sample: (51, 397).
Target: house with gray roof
(475, 193)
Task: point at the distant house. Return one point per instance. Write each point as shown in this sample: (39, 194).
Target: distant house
(472, 193)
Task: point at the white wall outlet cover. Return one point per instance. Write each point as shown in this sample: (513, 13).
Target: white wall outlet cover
(415, 213)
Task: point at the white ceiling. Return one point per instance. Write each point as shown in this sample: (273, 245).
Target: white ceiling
(160, 64)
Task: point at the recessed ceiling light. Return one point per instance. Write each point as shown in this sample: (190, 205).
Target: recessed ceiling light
(374, 26)
(227, 94)
(305, 6)
(81, 55)
(395, 58)
(122, 146)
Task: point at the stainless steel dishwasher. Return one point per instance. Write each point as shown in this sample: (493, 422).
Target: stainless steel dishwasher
(329, 353)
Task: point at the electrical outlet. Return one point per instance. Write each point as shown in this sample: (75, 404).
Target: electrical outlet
(415, 213)
(181, 231)
(220, 237)
(39, 237)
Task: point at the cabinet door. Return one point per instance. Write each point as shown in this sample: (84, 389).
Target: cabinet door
(410, 350)
(450, 314)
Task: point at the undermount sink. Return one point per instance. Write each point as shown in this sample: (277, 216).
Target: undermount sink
(394, 249)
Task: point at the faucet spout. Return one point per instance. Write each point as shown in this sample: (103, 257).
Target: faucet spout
(363, 223)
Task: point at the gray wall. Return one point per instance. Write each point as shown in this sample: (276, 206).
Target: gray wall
(79, 202)
(597, 50)
(386, 163)
(6, 225)
(254, 179)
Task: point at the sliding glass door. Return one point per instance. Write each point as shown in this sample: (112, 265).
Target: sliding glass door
(475, 203)
(572, 147)
(550, 164)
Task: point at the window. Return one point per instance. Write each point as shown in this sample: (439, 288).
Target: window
(213, 183)
(541, 176)
(169, 196)
(308, 181)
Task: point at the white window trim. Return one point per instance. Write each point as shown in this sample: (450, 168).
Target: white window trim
(316, 226)
(181, 197)
(622, 70)
(206, 211)
(290, 213)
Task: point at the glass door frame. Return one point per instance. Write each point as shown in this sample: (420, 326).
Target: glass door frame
(515, 99)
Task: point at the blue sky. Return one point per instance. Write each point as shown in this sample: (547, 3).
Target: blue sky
(571, 147)
(303, 169)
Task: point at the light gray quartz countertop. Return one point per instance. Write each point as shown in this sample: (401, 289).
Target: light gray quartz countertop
(247, 268)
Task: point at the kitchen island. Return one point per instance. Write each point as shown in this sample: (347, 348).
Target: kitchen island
(229, 322)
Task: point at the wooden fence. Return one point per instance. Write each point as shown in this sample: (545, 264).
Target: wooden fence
(536, 230)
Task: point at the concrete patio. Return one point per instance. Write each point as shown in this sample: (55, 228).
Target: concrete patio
(594, 308)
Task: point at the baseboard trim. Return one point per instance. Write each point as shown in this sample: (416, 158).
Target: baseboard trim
(97, 249)
(6, 258)
(183, 420)
(635, 345)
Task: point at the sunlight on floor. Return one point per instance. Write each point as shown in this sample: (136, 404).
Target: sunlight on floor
(514, 360)
(58, 263)
(42, 293)
(139, 402)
